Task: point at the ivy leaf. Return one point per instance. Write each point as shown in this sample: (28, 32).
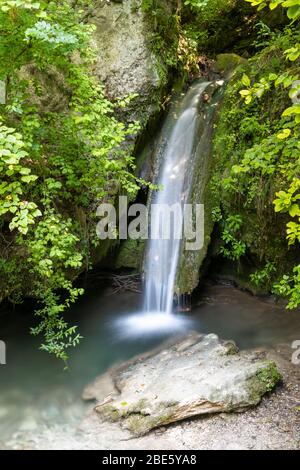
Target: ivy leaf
(29, 178)
(274, 4)
(25, 171)
(293, 12)
(291, 110)
(246, 80)
(294, 210)
(284, 134)
(244, 92)
(273, 76)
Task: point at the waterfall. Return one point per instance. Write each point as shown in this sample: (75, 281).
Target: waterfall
(181, 151)
(179, 134)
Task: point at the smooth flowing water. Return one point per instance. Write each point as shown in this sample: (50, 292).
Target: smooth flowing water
(36, 393)
(179, 135)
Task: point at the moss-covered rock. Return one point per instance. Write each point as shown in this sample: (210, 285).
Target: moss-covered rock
(265, 379)
(226, 64)
(168, 385)
(131, 254)
(190, 262)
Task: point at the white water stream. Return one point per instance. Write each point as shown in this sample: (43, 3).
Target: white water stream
(176, 161)
(184, 128)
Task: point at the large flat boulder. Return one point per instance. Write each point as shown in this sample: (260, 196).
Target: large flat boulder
(195, 376)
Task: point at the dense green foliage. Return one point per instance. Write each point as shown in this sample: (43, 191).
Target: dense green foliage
(257, 144)
(60, 155)
(219, 25)
(170, 40)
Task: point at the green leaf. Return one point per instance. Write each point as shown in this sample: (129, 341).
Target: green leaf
(293, 12)
(294, 210)
(246, 80)
(29, 178)
(291, 110)
(284, 134)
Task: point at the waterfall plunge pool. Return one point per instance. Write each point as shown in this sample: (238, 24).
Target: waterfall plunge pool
(36, 391)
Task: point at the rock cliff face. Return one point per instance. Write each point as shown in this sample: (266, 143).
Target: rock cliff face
(127, 63)
(202, 167)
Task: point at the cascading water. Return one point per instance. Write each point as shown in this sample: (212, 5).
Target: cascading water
(186, 134)
(177, 158)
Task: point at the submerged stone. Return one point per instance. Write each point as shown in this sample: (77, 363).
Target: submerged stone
(195, 376)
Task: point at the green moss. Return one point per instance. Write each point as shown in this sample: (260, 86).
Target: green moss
(163, 24)
(263, 381)
(131, 254)
(109, 412)
(269, 376)
(231, 348)
(140, 424)
(136, 417)
(227, 63)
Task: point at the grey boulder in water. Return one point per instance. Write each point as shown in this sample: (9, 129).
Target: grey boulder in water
(195, 376)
